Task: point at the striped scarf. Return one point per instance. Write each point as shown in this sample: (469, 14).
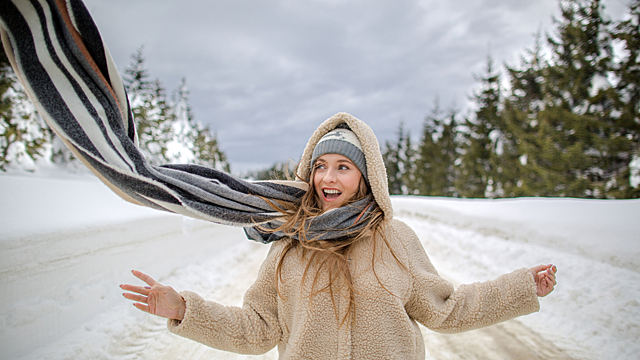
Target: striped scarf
(58, 55)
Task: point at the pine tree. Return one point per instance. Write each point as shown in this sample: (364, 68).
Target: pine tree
(181, 147)
(24, 136)
(148, 104)
(390, 157)
(624, 140)
(520, 124)
(167, 132)
(398, 159)
(483, 141)
(425, 157)
(449, 159)
(581, 113)
(207, 150)
(409, 161)
(437, 155)
(196, 143)
(556, 109)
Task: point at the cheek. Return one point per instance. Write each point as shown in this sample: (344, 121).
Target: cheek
(352, 183)
(316, 182)
(316, 179)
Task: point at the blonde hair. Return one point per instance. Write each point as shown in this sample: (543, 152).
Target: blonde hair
(331, 256)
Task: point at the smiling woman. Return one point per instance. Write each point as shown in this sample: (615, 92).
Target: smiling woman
(336, 180)
(357, 296)
(339, 169)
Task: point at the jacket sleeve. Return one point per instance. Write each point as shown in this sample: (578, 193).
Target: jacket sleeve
(250, 329)
(435, 303)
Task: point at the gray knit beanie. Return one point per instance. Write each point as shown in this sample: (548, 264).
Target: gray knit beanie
(342, 141)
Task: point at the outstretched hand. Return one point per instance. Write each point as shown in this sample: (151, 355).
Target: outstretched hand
(545, 277)
(156, 298)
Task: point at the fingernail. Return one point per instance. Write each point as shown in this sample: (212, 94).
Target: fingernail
(147, 287)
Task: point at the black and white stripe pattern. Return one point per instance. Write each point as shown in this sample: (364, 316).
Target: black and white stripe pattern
(58, 54)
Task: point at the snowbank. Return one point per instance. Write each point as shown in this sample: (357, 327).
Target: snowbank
(36, 205)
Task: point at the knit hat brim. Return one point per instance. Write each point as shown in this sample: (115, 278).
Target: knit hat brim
(342, 142)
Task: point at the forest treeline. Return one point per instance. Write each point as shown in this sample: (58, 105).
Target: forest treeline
(563, 122)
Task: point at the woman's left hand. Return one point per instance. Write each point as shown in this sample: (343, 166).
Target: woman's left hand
(545, 277)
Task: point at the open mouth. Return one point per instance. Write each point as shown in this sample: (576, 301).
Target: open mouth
(330, 194)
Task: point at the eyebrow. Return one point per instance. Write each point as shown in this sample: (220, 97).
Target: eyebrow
(339, 161)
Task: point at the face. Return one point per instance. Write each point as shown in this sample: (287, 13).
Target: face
(336, 180)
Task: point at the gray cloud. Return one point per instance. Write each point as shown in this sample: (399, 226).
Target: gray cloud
(264, 74)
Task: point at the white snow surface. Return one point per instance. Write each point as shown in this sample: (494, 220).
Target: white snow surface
(68, 242)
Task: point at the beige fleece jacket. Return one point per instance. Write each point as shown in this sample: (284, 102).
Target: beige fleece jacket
(390, 298)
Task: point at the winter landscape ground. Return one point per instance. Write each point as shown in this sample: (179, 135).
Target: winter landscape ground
(67, 242)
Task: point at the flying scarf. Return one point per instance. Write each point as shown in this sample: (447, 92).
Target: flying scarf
(59, 57)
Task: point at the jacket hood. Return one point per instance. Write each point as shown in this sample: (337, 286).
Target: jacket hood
(376, 171)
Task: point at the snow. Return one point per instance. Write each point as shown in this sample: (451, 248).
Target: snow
(594, 243)
(634, 170)
(60, 205)
(67, 242)
(497, 138)
(598, 82)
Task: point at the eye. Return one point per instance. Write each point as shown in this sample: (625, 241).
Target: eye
(343, 167)
(319, 166)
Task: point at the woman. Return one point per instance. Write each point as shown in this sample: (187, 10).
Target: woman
(358, 296)
(343, 280)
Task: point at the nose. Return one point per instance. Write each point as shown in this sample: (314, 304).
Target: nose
(330, 176)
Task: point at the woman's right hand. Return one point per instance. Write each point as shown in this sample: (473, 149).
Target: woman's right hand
(156, 298)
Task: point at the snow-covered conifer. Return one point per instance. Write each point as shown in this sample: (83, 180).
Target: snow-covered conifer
(24, 136)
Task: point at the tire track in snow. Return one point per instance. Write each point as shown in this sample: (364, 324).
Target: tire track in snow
(510, 340)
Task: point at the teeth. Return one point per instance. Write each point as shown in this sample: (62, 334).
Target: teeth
(328, 191)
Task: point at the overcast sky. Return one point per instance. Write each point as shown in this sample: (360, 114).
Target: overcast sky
(265, 73)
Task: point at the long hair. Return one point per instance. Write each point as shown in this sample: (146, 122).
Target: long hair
(328, 256)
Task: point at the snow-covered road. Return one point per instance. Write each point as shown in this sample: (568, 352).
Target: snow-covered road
(115, 330)
(60, 295)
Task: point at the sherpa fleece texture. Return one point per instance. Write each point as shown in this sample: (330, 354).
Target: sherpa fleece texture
(391, 298)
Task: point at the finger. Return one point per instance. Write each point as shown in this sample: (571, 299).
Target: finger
(137, 289)
(134, 297)
(144, 277)
(549, 284)
(548, 277)
(549, 274)
(540, 268)
(142, 307)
